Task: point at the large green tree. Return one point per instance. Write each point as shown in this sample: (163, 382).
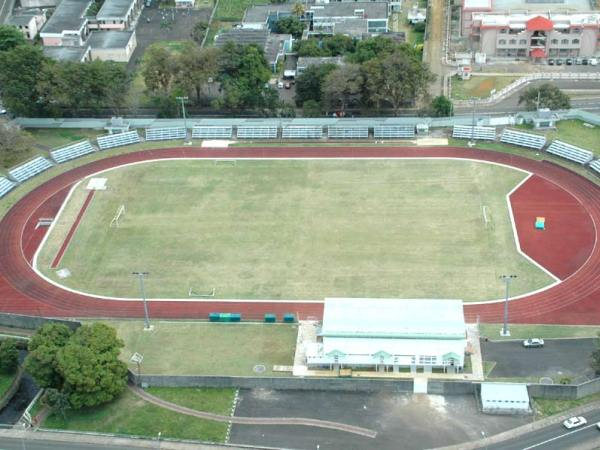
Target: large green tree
(194, 67)
(309, 84)
(289, 25)
(343, 87)
(545, 96)
(10, 37)
(371, 48)
(397, 79)
(20, 68)
(42, 360)
(442, 106)
(157, 69)
(9, 356)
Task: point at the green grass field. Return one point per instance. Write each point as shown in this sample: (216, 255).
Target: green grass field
(478, 87)
(133, 416)
(233, 10)
(200, 348)
(576, 133)
(5, 382)
(298, 230)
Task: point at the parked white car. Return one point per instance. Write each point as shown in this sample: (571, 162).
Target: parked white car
(574, 422)
(533, 343)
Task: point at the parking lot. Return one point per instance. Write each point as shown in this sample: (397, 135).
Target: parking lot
(402, 421)
(558, 358)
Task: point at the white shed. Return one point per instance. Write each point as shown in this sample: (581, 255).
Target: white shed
(504, 398)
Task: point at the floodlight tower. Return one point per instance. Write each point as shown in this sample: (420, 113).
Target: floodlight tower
(141, 276)
(183, 100)
(507, 280)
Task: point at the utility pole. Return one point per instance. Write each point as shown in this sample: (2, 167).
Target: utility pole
(183, 100)
(472, 141)
(141, 276)
(507, 279)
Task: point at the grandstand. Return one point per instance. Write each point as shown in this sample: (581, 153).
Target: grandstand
(302, 132)
(6, 186)
(257, 132)
(73, 151)
(595, 165)
(521, 139)
(570, 152)
(393, 131)
(212, 132)
(118, 140)
(165, 134)
(348, 132)
(30, 169)
(477, 133)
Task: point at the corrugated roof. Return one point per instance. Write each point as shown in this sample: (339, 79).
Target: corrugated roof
(110, 39)
(504, 391)
(68, 16)
(114, 9)
(66, 53)
(393, 318)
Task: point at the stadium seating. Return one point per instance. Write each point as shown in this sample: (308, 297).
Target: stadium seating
(6, 186)
(521, 139)
(30, 169)
(165, 134)
(71, 151)
(254, 132)
(302, 132)
(394, 131)
(570, 152)
(348, 132)
(118, 139)
(478, 133)
(595, 165)
(212, 132)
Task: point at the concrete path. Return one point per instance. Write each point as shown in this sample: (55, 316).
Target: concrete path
(253, 420)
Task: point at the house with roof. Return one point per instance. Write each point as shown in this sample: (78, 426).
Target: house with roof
(263, 17)
(355, 19)
(117, 15)
(389, 334)
(29, 22)
(274, 46)
(73, 54)
(112, 45)
(68, 25)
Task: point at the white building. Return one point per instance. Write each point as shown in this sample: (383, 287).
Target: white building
(387, 334)
(504, 398)
(29, 22)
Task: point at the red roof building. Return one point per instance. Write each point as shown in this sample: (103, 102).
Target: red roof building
(540, 23)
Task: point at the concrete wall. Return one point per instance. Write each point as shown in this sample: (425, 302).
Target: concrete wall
(553, 391)
(31, 322)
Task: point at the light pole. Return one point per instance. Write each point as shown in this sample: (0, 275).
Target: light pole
(183, 100)
(141, 276)
(158, 439)
(472, 141)
(507, 279)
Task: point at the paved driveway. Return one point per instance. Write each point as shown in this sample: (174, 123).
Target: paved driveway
(402, 421)
(559, 357)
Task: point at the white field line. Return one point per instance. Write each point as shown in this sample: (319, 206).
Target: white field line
(105, 297)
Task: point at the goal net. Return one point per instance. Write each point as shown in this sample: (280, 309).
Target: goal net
(115, 220)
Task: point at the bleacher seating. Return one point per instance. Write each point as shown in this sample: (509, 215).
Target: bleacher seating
(254, 132)
(521, 139)
(348, 132)
(73, 151)
(30, 169)
(570, 152)
(6, 186)
(118, 139)
(595, 165)
(212, 132)
(302, 132)
(394, 131)
(165, 134)
(478, 133)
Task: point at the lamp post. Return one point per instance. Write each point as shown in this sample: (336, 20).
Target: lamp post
(183, 100)
(507, 279)
(141, 276)
(472, 140)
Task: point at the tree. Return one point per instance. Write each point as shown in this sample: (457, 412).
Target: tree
(339, 45)
(298, 9)
(194, 67)
(116, 84)
(310, 47)
(548, 95)
(42, 360)
(9, 356)
(20, 68)
(289, 25)
(57, 401)
(309, 84)
(442, 106)
(90, 365)
(397, 79)
(343, 86)
(371, 48)
(10, 37)
(199, 31)
(157, 69)
(311, 108)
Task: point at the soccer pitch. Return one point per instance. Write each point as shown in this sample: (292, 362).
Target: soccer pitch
(297, 229)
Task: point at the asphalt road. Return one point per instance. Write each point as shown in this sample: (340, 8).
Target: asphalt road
(19, 444)
(555, 437)
(558, 357)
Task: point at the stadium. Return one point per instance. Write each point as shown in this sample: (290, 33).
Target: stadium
(275, 230)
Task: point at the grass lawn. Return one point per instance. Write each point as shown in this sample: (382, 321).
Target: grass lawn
(233, 10)
(546, 407)
(478, 87)
(576, 133)
(131, 415)
(56, 137)
(5, 382)
(539, 331)
(201, 348)
(213, 400)
(298, 230)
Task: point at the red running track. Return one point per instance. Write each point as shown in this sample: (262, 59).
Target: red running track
(574, 301)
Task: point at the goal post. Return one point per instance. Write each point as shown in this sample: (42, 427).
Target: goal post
(114, 223)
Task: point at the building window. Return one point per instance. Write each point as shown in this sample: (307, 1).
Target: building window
(427, 360)
(522, 41)
(555, 41)
(513, 42)
(502, 42)
(575, 41)
(564, 41)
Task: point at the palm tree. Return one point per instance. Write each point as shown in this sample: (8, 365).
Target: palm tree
(298, 9)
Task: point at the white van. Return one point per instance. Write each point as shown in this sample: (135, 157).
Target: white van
(593, 61)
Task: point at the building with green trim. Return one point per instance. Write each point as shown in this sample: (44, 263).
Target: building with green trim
(389, 334)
